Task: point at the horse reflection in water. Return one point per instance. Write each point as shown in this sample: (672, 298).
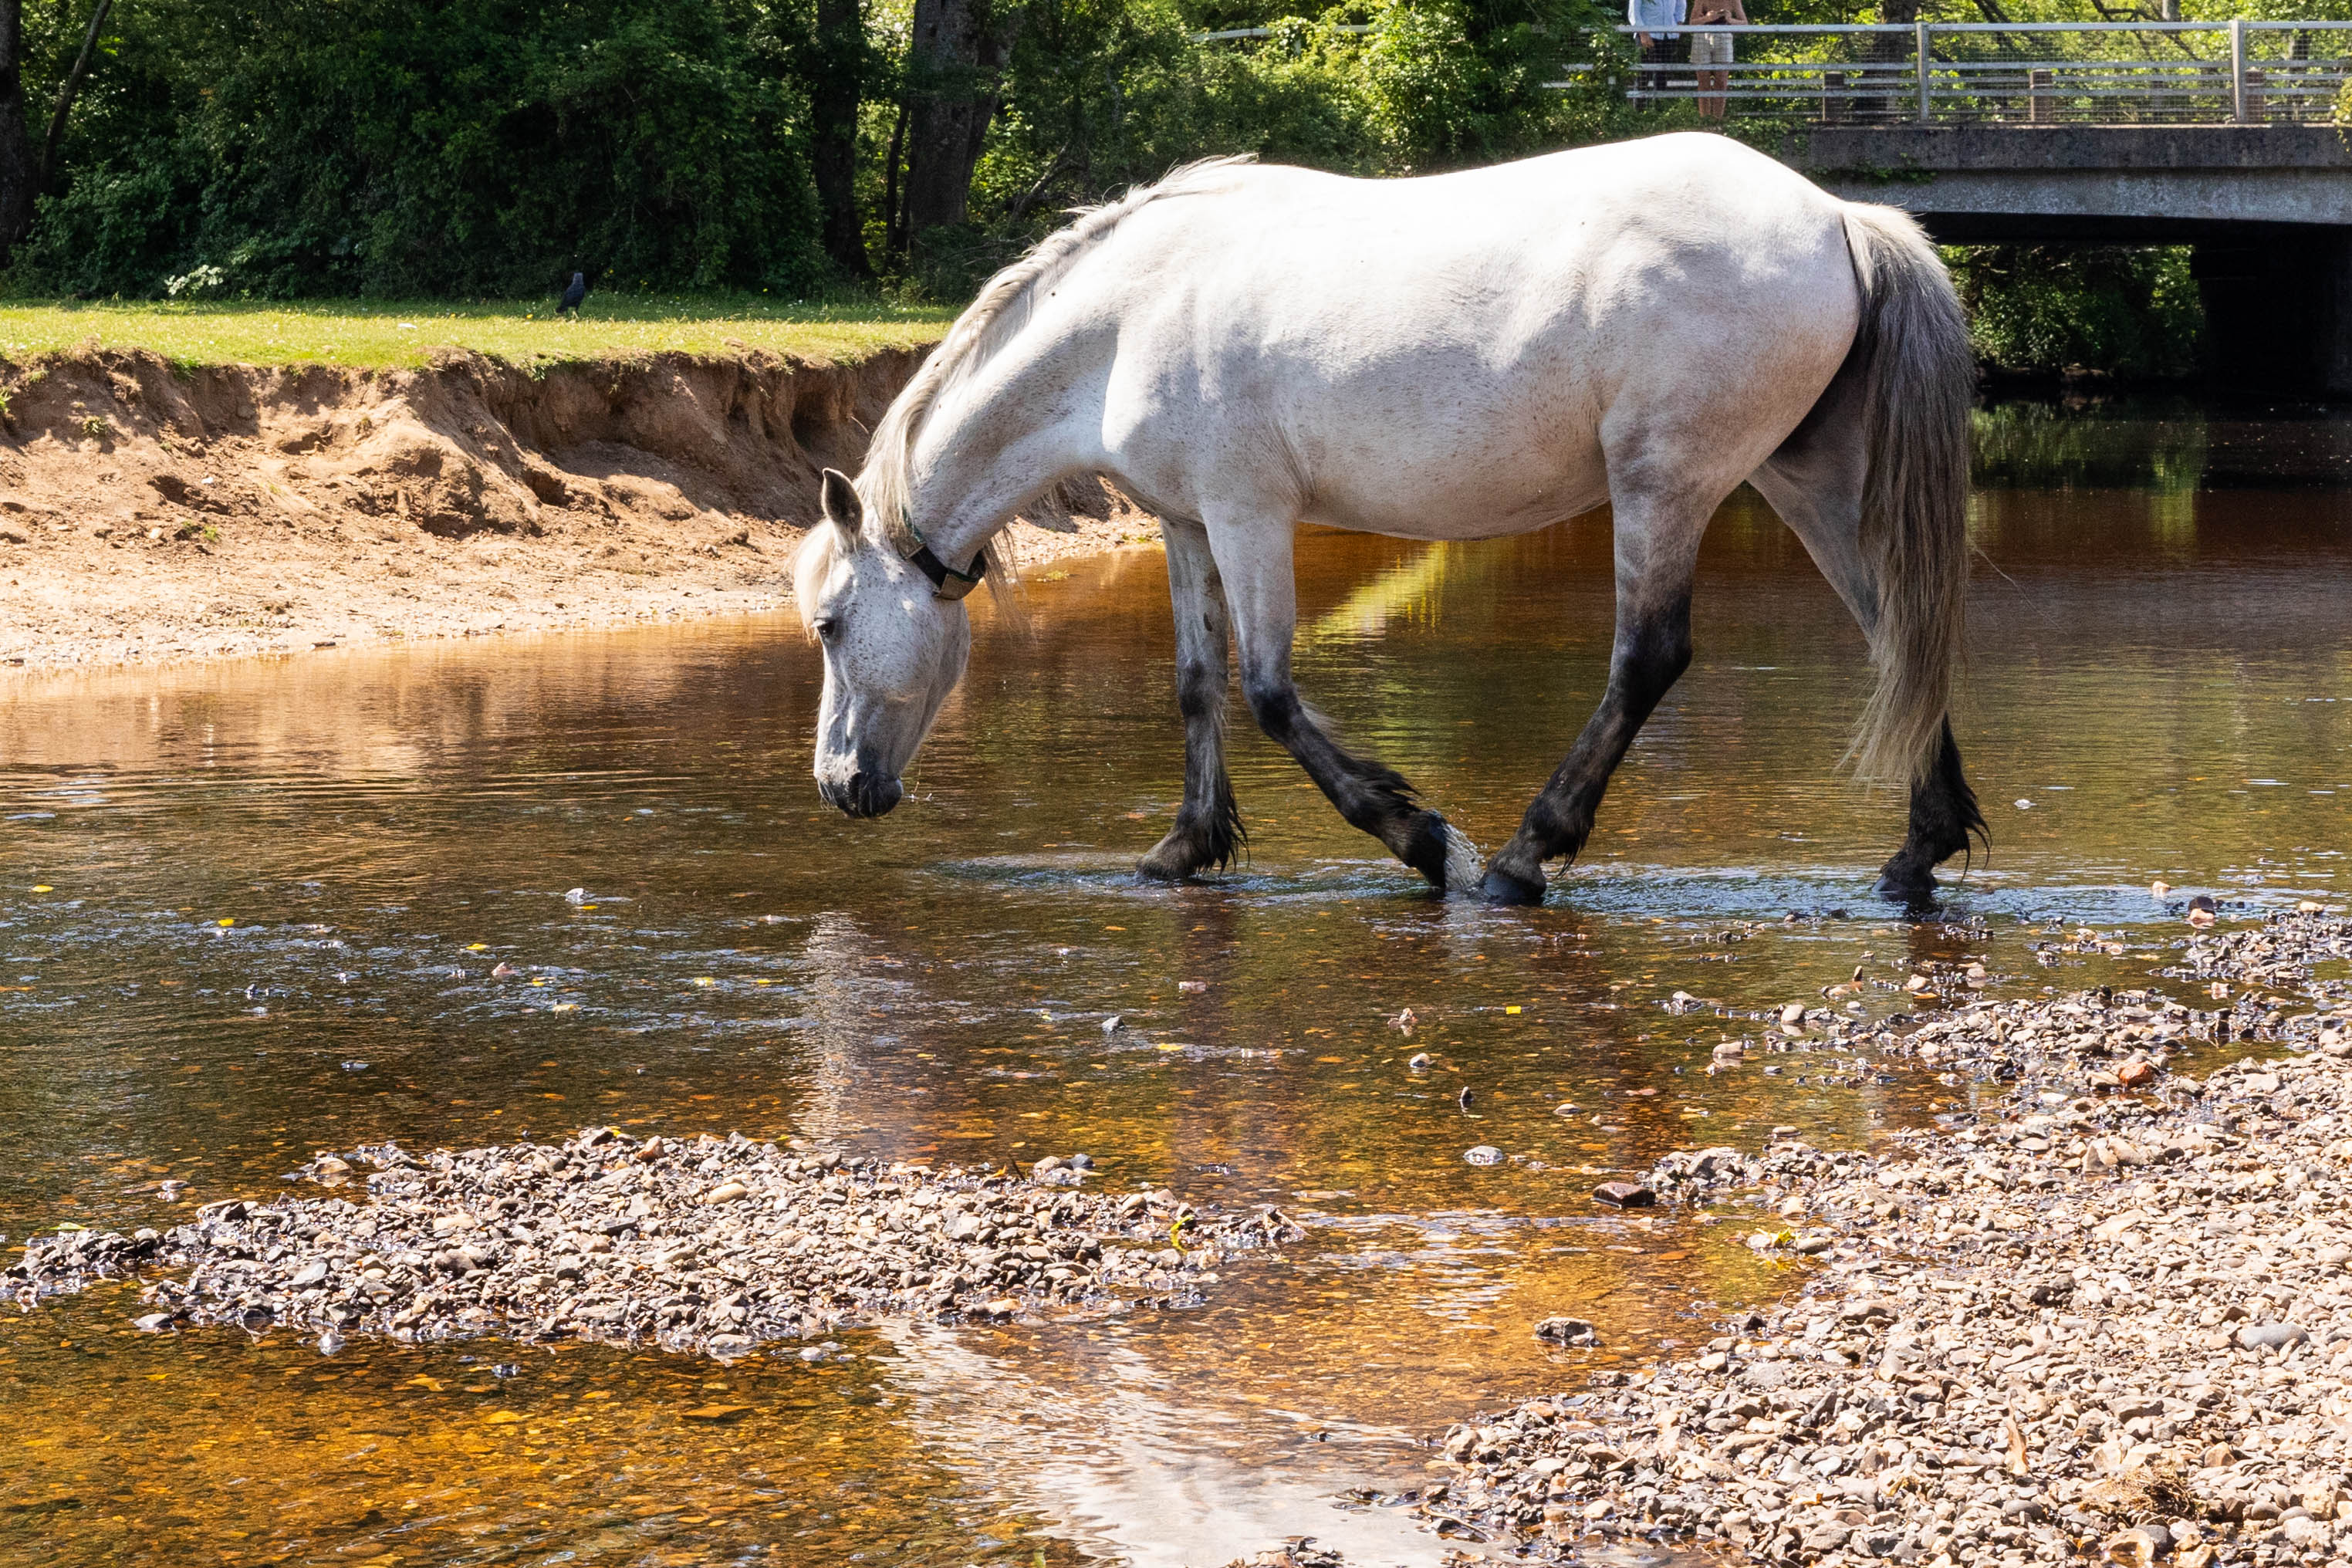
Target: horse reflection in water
(1245, 349)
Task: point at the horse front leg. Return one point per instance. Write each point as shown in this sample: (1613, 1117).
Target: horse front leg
(1255, 563)
(1653, 648)
(1208, 831)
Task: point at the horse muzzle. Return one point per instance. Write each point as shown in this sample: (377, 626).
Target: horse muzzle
(865, 794)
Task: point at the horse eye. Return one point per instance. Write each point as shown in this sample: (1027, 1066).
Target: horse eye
(827, 629)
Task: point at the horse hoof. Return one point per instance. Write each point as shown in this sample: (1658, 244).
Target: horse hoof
(1502, 887)
(1906, 887)
(1443, 853)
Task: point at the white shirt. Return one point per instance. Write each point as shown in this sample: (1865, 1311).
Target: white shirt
(1654, 16)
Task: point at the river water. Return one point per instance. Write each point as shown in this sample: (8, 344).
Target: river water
(271, 896)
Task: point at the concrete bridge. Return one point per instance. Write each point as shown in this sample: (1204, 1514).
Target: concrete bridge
(2267, 208)
(2219, 135)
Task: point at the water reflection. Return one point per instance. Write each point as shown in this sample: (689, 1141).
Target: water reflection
(283, 895)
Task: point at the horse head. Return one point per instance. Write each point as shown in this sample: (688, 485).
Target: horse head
(894, 646)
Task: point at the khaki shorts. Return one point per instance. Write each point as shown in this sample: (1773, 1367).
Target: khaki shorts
(1710, 49)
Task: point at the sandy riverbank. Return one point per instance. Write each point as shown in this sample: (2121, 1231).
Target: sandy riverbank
(151, 513)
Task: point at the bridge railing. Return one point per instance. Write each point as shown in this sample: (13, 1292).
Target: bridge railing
(2026, 73)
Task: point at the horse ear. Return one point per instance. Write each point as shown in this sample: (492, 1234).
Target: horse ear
(843, 508)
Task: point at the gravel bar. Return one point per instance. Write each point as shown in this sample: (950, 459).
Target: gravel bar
(2110, 1320)
(714, 1245)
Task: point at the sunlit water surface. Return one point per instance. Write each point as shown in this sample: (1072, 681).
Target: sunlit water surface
(277, 891)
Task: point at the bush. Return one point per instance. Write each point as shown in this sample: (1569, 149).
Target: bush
(309, 147)
(2046, 310)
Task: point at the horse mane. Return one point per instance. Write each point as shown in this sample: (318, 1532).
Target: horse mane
(989, 322)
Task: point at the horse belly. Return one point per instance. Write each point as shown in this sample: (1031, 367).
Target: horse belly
(1446, 458)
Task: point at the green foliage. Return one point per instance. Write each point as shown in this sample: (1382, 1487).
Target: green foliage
(243, 151)
(1106, 93)
(2132, 311)
(384, 147)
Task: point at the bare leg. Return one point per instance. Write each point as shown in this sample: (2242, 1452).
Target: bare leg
(1208, 831)
(1253, 556)
(1657, 548)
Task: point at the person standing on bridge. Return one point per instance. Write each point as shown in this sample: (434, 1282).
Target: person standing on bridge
(1654, 22)
(1713, 49)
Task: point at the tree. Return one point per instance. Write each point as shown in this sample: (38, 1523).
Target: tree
(955, 65)
(23, 172)
(18, 175)
(835, 84)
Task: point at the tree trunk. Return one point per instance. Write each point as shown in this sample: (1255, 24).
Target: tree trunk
(894, 212)
(70, 88)
(1888, 49)
(953, 63)
(18, 176)
(834, 93)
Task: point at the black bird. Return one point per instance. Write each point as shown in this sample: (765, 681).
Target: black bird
(573, 295)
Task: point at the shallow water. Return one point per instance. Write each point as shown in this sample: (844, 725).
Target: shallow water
(277, 892)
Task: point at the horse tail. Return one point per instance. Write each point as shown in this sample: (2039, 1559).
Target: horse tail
(1918, 381)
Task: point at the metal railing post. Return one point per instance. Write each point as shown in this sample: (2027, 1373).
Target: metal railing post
(2237, 69)
(1926, 107)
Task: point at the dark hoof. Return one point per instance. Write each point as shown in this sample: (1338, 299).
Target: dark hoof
(1151, 868)
(1174, 859)
(1906, 885)
(1502, 887)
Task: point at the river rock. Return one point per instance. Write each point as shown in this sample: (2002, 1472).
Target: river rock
(716, 1245)
(1625, 1194)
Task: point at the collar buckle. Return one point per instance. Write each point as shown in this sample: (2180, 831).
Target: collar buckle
(947, 582)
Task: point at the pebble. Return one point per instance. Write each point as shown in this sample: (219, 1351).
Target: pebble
(2108, 1318)
(1485, 1154)
(1625, 1194)
(1567, 1331)
(713, 1244)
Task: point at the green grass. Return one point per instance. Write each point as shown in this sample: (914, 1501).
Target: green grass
(370, 335)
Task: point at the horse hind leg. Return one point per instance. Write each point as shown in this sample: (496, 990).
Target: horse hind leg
(1207, 834)
(1815, 483)
(1944, 822)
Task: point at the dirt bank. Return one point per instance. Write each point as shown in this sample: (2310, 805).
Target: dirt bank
(153, 511)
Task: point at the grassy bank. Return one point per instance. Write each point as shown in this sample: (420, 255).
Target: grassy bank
(388, 336)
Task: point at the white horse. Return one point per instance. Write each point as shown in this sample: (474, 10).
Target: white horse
(1462, 357)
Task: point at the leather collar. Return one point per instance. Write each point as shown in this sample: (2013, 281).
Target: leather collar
(947, 582)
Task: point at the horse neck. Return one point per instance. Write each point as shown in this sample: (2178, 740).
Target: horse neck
(1016, 425)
